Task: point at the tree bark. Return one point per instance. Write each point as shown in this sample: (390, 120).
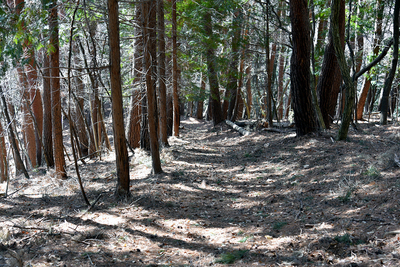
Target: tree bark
(161, 73)
(149, 25)
(212, 72)
(47, 136)
(328, 86)
(55, 94)
(388, 83)
(337, 5)
(304, 116)
(121, 152)
(176, 117)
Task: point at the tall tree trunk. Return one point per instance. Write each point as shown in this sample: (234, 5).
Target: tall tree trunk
(55, 93)
(121, 152)
(175, 70)
(161, 73)
(337, 6)
(304, 116)
(135, 113)
(328, 86)
(3, 156)
(388, 83)
(376, 47)
(149, 30)
(232, 86)
(47, 136)
(212, 73)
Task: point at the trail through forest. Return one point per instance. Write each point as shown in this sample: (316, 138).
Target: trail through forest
(266, 199)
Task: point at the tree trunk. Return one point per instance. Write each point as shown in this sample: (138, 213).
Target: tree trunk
(388, 83)
(55, 94)
(135, 113)
(328, 86)
(232, 86)
(149, 30)
(121, 152)
(337, 6)
(3, 156)
(248, 92)
(176, 117)
(47, 136)
(304, 116)
(161, 73)
(378, 38)
(200, 103)
(212, 73)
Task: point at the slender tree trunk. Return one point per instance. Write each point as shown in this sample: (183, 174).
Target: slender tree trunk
(304, 116)
(388, 83)
(55, 94)
(337, 6)
(17, 156)
(149, 29)
(248, 92)
(47, 136)
(232, 86)
(377, 40)
(200, 103)
(121, 152)
(175, 70)
(135, 113)
(161, 73)
(3, 156)
(212, 73)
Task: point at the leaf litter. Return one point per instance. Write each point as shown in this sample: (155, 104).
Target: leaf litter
(266, 199)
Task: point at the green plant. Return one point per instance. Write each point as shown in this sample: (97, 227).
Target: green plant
(278, 225)
(231, 257)
(346, 197)
(346, 239)
(372, 172)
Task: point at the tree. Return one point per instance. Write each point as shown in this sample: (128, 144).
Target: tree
(121, 152)
(388, 83)
(215, 101)
(55, 92)
(161, 72)
(47, 136)
(149, 30)
(328, 86)
(175, 70)
(304, 116)
(349, 83)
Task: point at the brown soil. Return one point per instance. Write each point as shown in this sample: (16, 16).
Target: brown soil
(267, 199)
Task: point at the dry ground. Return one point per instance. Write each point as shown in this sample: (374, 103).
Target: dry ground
(267, 199)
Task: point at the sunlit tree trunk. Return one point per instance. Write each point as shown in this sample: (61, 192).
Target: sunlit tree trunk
(55, 93)
(3, 156)
(376, 47)
(135, 109)
(121, 152)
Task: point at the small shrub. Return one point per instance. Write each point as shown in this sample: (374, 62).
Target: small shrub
(346, 198)
(372, 172)
(231, 257)
(279, 225)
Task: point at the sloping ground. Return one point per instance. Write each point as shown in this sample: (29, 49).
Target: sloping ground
(268, 199)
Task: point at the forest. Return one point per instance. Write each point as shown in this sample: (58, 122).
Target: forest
(199, 133)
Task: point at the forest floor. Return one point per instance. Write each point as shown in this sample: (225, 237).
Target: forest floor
(266, 199)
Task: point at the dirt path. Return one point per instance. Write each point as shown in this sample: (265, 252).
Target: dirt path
(268, 199)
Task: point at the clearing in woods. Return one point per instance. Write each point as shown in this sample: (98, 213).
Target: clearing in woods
(266, 199)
